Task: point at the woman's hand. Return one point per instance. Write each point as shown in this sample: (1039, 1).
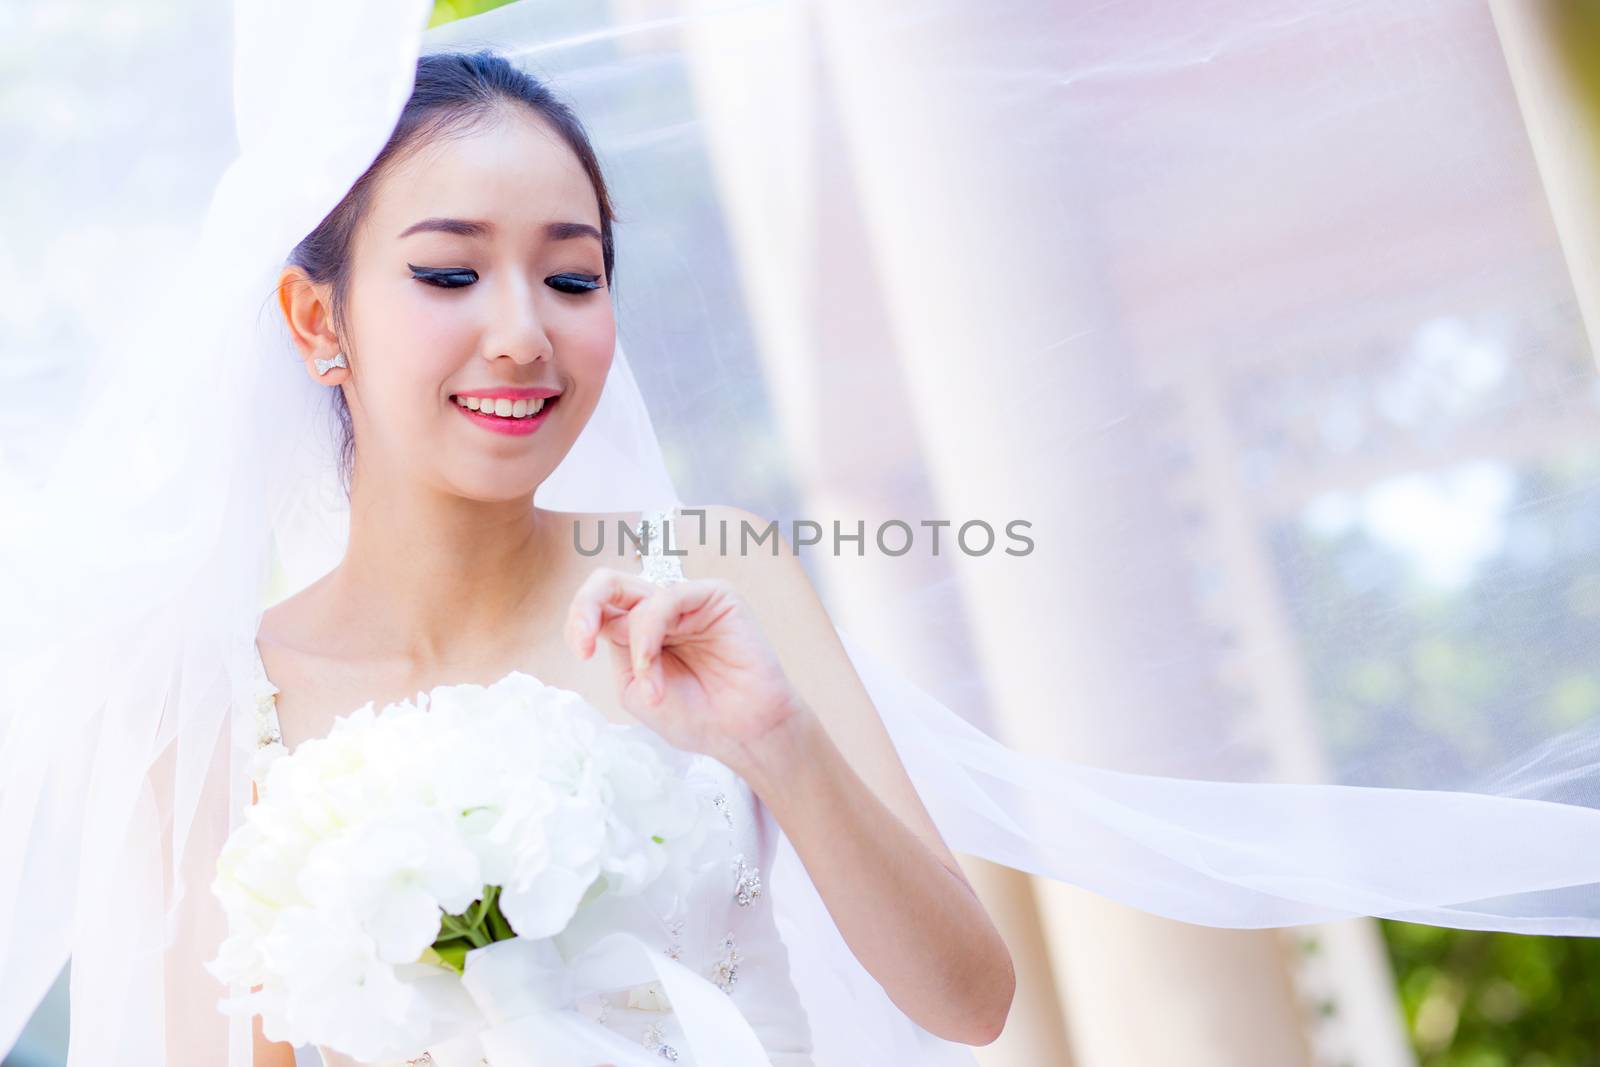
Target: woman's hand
(690, 659)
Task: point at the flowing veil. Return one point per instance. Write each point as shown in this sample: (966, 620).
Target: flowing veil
(1253, 319)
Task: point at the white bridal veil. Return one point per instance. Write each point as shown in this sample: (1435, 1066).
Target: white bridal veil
(1250, 316)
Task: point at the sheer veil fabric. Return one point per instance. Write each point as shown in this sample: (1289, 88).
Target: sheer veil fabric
(1298, 415)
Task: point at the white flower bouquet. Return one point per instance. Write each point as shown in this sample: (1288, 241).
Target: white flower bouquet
(380, 858)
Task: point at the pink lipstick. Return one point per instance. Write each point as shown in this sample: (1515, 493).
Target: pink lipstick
(493, 400)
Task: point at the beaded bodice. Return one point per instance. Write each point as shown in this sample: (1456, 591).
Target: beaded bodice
(723, 927)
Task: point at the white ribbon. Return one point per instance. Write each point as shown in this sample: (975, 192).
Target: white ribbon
(515, 1005)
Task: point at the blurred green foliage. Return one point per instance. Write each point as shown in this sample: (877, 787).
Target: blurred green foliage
(1475, 999)
(450, 10)
(1408, 674)
(1576, 25)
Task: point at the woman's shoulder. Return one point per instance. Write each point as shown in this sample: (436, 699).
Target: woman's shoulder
(288, 636)
(288, 620)
(742, 547)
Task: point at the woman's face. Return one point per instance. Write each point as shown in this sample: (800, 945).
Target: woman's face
(478, 271)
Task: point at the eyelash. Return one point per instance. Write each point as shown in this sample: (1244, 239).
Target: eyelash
(448, 278)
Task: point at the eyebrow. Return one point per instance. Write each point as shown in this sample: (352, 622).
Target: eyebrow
(555, 231)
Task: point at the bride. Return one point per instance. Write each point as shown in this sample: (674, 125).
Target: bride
(420, 254)
(465, 281)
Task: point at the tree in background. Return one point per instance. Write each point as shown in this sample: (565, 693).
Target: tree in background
(1447, 668)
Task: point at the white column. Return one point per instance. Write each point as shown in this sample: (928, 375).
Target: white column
(1562, 117)
(828, 354)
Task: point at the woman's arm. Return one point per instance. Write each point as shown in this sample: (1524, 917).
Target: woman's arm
(835, 784)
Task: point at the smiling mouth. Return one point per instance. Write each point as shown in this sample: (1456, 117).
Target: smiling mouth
(510, 410)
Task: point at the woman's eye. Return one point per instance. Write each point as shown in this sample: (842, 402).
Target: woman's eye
(574, 283)
(456, 277)
(444, 277)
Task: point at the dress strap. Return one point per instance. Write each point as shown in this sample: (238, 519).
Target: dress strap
(264, 693)
(654, 562)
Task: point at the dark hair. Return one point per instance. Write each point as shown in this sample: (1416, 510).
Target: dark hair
(455, 93)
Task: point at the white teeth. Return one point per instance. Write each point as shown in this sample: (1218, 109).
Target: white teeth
(503, 406)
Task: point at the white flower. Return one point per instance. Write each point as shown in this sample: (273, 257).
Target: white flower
(336, 882)
(337, 991)
(396, 871)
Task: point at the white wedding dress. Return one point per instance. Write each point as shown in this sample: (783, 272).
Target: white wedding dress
(724, 928)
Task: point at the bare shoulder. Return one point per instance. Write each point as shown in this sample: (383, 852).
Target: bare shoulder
(288, 627)
(741, 547)
(279, 641)
(304, 658)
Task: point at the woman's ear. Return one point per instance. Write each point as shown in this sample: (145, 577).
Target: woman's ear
(307, 308)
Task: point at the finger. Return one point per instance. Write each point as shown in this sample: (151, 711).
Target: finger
(605, 593)
(628, 684)
(655, 621)
(648, 624)
(615, 627)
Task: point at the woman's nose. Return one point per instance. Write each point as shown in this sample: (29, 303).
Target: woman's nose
(518, 328)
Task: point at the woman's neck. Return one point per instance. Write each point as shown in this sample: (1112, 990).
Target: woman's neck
(433, 577)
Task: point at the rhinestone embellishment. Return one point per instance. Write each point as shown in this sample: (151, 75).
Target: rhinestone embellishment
(653, 1041)
(720, 802)
(748, 887)
(269, 738)
(267, 722)
(323, 367)
(655, 565)
(674, 949)
(727, 970)
(267, 731)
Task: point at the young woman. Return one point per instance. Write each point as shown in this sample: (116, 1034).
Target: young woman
(465, 279)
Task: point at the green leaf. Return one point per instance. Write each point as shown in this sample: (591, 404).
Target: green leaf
(498, 925)
(453, 953)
